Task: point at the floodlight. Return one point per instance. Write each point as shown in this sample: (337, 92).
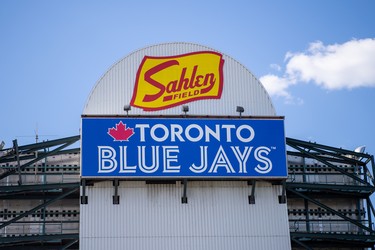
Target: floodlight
(360, 149)
(127, 107)
(240, 110)
(185, 109)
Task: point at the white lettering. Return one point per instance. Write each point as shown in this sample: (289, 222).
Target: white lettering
(146, 159)
(154, 159)
(239, 136)
(195, 133)
(176, 131)
(142, 128)
(221, 160)
(200, 169)
(189, 137)
(107, 161)
(228, 128)
(215, 134)
(164, 128)
(242, 157)
(169, 158)
(124, 168)
(258, 154)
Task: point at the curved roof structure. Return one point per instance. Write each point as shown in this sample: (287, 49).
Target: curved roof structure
(239, 87)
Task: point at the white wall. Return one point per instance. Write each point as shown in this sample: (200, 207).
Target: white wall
(151, 216)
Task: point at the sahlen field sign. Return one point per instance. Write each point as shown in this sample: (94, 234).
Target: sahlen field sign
(165, 82)
(201, 148)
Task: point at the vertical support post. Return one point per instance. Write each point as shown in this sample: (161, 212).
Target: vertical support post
(359, 216)
(362, 171)
(84, 199)
(368, 203)
(43, 214)
(306, 203)
(307, 215)
(304, 170)
(373, 168)
(252, 195)
(44, 164)
(116, 197)
(184, 199)
(282, 197)
(15, 146)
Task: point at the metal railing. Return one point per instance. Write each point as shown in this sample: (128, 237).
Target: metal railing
(40, 228)
(327, 226)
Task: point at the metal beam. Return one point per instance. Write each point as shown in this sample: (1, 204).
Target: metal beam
(252, 195)
(316, 186)
(52, 221)
(338, 160)
(10, 157)
(26, 149)
(360, 238)
(12, 171)
(282, 197)
(47, 186)
(83, 196)
(37, 195)
(38, 207)
(69, 244)
(328, 164)
(116, 197)
(48, 144)
(338, 155)
(184, 199)
(37, 238)
(371, 206)
(301, 244)
(332, 211)
(306, 204)
(15, 146)
(316, 145)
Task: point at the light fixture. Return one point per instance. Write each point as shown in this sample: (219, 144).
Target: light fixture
(360, 149)
(240, 110)
(185, 109)
(127, 107)
(2, 144)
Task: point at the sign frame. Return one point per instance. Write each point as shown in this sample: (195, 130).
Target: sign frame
(174, 151)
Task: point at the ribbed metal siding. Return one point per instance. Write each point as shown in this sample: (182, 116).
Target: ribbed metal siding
(240, 88)
(217, 216)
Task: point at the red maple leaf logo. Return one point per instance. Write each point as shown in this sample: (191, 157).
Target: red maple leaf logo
(121, 132)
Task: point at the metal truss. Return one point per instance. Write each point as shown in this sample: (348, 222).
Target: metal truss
(14, 161)
(359, 188)
(32, 152)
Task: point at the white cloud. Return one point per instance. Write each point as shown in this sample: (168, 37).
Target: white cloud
(349, 65)
(275, 67)
(276, 86)
(338, 66)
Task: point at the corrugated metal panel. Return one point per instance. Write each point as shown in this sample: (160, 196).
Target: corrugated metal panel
(241, 88)
(217, 216)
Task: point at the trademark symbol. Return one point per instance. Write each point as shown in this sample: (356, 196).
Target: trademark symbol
(273, 148)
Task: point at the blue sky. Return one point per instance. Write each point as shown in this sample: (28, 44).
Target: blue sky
(316, 58)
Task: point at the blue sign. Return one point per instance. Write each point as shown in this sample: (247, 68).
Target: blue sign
(183, 148)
